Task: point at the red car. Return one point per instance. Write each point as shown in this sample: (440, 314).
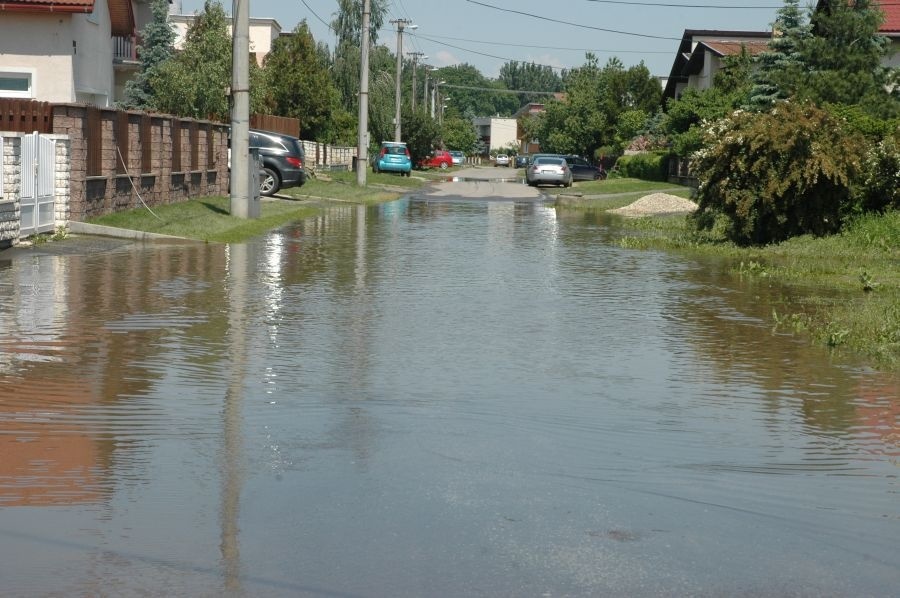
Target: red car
(438, 159)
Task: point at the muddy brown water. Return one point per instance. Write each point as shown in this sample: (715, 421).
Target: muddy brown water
(431, 397)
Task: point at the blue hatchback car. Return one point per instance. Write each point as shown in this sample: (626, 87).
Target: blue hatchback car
(393, 157)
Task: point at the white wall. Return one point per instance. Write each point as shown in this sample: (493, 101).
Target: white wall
(41, 45)
(263, 33)
(69, 56)
(503, 133)
(93, 60)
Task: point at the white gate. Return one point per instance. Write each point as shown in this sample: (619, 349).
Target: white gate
(36, 201)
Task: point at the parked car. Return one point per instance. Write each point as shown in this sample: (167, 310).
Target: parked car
(521, 160)
(393, 157)
(281, 158)
(582, 170)
(438, 159)
(458, 157)
(501, 160)
(549, 170)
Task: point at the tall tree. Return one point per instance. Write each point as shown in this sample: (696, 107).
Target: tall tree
(347, 25)
(530, 76)
(156, 47)
(195, 81)
(298, 84)
(780, 65)
(843, 56)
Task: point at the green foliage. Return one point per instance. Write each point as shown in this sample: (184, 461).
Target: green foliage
(195, 81)
(459, 134)
(530, 76)
(651, 166)
(879, 186)
(630, 123)
(157, 47)
(778, 174)
(778, 67)
(420, 132)
(299, 86)
(856, 118)
(842, 59)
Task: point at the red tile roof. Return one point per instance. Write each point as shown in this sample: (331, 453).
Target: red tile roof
(82, 6)
(891, 18)
(729, 48)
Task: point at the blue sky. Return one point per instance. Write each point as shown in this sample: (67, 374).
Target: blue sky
(471, 31)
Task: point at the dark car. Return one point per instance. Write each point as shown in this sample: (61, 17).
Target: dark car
(521, 160)
(582, 170)
(282, 161)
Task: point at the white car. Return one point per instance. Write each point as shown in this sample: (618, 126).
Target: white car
(501, 160)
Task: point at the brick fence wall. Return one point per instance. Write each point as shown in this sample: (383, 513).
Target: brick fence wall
(116, 189)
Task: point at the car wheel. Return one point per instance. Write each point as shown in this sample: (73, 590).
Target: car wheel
(269, 182)
(443, 166)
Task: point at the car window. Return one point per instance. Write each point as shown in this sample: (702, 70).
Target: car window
(551, 161)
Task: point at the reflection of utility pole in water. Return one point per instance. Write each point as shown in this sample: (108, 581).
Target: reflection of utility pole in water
(232, 453)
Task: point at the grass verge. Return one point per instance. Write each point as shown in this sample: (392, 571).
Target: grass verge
(209, 218)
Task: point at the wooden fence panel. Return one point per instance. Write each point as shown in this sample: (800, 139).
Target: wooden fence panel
(276, 124)
(26, 116)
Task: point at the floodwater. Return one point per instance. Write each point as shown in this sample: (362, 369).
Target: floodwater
(431, 397)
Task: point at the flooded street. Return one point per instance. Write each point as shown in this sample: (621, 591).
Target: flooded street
(430, 397)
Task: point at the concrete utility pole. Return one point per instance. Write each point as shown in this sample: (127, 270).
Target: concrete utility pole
(401, 24)
(428, 69)
(240, 111)
(362, 141)
(415, 59)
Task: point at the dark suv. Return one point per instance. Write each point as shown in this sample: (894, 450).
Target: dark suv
(282, 161)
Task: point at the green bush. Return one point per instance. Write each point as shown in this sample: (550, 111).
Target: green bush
(777, 174)
(879, 186)
(651, 166)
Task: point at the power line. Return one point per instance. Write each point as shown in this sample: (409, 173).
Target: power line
(558, 68)
(528, 14)
(477, 41)
(496, 90)
(671, 5)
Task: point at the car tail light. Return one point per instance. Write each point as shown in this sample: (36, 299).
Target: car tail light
(407, 152)
(295, 162)
(564, 169)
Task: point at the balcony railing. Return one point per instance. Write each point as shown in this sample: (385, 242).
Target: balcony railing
(125, 48)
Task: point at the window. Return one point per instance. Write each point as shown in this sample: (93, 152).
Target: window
(15, 85)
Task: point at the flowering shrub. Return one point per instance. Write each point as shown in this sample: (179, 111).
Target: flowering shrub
(776, 174)
(879, 188)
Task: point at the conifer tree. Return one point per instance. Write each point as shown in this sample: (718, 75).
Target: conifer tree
(156, 47)
(779, 66)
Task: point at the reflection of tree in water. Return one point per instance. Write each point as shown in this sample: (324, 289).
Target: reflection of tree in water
(726, 322)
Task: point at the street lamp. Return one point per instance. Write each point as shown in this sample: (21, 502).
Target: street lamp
(401, 25)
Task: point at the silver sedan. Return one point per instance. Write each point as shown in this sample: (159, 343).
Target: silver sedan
(549, 170)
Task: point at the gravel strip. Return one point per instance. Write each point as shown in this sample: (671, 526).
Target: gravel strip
(656, 204)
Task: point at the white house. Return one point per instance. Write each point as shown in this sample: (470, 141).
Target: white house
(702, 53)
(64, 51)
(496, 132)
(263, 33)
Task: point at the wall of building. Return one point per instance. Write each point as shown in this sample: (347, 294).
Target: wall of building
(93, 64)
(42, 46)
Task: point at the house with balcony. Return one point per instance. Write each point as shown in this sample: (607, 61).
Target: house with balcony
(702, 53)
(67, 51)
